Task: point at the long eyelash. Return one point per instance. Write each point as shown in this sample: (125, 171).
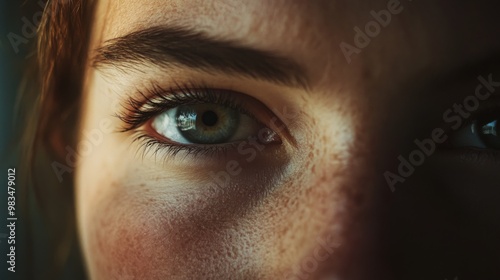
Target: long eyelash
(157, 99)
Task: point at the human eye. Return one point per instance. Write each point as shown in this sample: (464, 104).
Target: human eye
(482, 132)
(197, 119)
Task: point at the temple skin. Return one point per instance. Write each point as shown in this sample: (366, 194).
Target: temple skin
(315, 206)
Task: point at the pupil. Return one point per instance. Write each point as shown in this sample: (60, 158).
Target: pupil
(209, 118)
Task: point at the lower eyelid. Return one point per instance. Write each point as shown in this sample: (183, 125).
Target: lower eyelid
(156, 101)
(163, 150)
(470, 155)
(489, 107)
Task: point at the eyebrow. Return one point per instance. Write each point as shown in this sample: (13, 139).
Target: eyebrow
(167, 47)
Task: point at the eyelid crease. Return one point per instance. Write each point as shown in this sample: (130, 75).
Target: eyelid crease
(157, 99)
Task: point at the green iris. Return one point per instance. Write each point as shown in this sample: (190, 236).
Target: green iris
(207, 123)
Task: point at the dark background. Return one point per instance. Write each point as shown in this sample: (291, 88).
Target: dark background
(15, 58)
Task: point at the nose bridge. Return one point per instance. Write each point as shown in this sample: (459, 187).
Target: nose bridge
(333, 216)
(358, 225)
(357, 199)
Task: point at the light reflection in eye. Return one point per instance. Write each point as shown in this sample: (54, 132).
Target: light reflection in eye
(490, 128)
(478, 134)
(204, 124)
(187, 121)
(489, 134)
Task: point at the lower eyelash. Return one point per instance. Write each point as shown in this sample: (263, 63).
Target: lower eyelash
(153, 146)
(156, 100)
(474, 156)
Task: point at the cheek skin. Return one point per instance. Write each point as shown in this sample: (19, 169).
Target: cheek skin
(329, 203)
(155, 229)
(142, 234)
(132, 229)
(140, 237)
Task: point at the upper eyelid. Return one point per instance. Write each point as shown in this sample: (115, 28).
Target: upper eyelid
(490, 106)
(161, 99)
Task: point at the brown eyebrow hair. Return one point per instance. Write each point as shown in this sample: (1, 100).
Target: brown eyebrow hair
(166, 46)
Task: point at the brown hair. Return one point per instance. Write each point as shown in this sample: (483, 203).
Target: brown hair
(63, 37)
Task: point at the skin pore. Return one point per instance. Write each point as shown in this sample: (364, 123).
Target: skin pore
(314, 204)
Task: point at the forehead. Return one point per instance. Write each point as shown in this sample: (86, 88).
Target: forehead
(231, 18)
(423, 35)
